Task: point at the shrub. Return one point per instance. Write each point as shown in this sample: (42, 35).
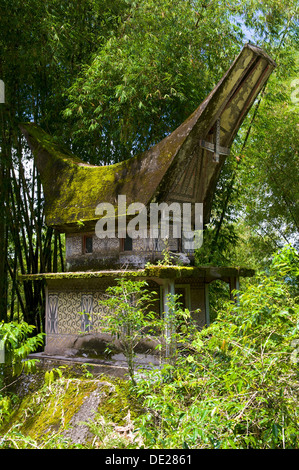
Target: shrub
(239, 387)
(17, 342)
(128, 317)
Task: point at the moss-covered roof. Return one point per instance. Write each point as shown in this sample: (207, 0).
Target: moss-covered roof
(159, 272)
(73, 189)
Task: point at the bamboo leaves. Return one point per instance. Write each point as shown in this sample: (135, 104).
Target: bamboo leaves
(240, 389)
(149, 90)
(19, 342)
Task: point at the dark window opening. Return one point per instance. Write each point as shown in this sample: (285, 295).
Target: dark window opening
(176, 246)
(126, 244)
(87, 244)
(182, 296)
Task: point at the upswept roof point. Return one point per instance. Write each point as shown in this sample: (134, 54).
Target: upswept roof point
(198, 148)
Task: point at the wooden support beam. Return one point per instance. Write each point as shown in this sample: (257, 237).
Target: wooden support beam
(234, 284)
(207, 304)
(215, 147)
(168, 288)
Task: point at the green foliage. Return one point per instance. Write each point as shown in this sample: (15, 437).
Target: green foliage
(128, 318)
(5, 408)
(19, 342)
(238, 389)
(178, 329)
(269, 172)
(53, 374)
(129, 97)
(166, 255)
(217, 252)
(219, 294)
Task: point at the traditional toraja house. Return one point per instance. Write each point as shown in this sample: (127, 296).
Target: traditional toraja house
(182, 168)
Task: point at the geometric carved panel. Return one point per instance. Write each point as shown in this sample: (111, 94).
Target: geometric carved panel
(73, 312)
(52, 313)
(69, 318)
(86, 312)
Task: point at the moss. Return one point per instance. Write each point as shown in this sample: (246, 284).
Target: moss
(73, 188)
(162, 272)
(82, 275)
(153, 271)
(51, 408)
(44, 414)
(116, 406)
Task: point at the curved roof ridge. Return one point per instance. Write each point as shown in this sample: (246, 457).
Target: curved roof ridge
(73, 189)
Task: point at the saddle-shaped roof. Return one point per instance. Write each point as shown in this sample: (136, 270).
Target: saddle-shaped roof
(183, 167)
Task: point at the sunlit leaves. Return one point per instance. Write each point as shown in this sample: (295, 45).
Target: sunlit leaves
(147, 79)
(269, 173)
(240, 388)
(19, 341)
(127, 316)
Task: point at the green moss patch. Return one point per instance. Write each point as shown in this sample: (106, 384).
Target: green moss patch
(50, 409)
(53, 416)
(164, 272)
(73, 188)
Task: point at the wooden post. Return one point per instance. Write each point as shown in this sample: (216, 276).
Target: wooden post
(207, 304)
(46, 314)
(234, 284)
(168, 289)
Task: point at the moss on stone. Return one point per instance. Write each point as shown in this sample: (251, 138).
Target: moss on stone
(50, 408)
(116, 406)
(46, 414)
(163, 272)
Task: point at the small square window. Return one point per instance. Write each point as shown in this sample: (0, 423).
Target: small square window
(87, 244)
(126, 244)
